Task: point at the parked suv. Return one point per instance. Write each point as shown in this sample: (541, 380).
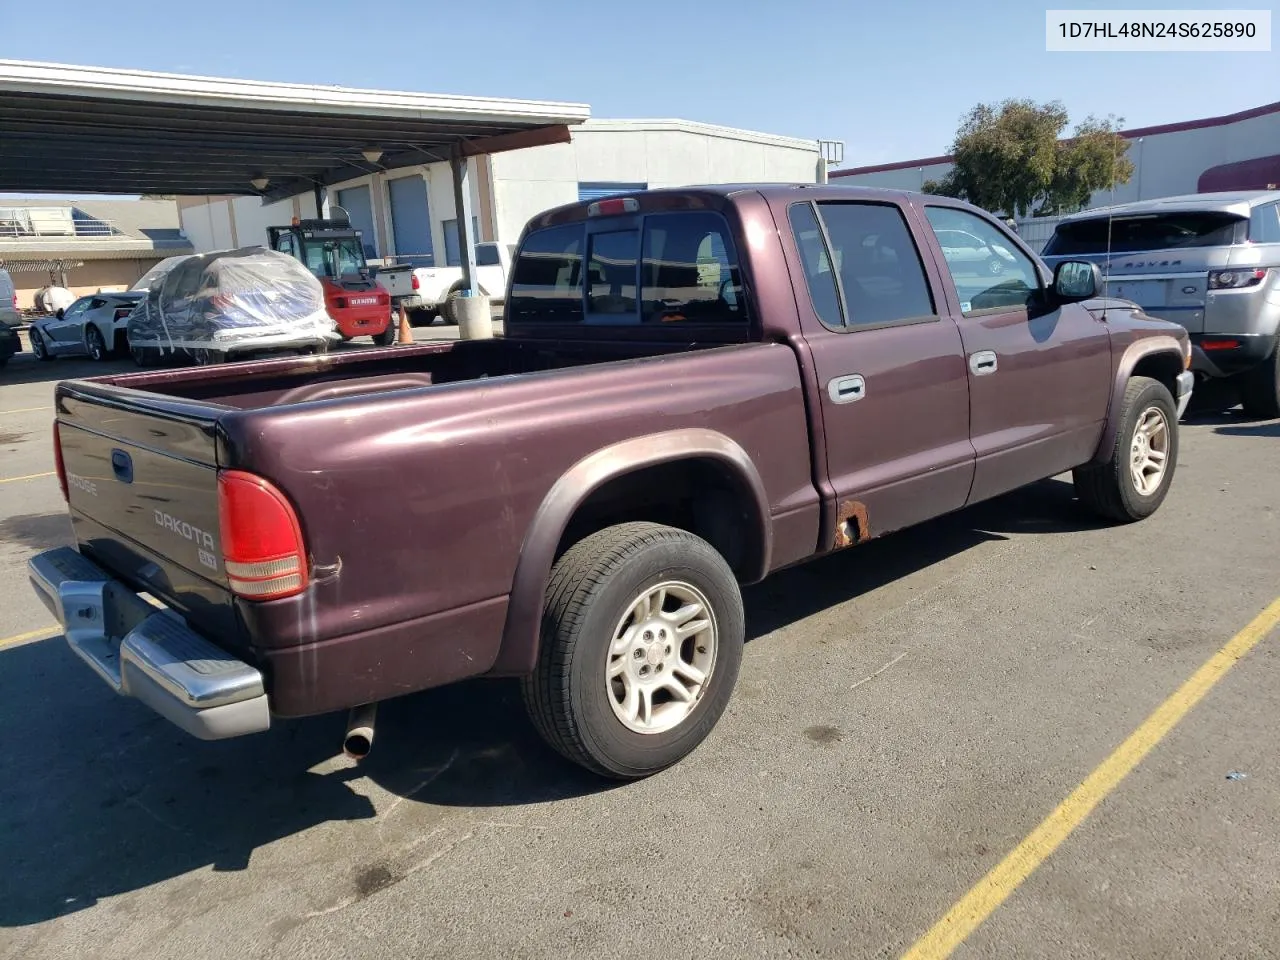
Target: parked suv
(1210, 262)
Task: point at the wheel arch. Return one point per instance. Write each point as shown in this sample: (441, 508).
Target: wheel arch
(1160, 358)
(552, 529)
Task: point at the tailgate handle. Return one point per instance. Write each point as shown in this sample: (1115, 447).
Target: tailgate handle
(122, 465)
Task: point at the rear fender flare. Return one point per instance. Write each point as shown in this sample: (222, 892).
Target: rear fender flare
(522, 630)
(1133, 354)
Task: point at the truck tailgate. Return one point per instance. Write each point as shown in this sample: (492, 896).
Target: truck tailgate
(142, 487)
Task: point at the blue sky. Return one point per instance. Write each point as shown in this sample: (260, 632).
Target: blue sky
(891, 79)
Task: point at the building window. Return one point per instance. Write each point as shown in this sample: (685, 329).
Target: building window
(452, 245)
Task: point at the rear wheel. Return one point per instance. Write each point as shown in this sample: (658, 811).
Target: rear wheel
(38, 345)
(448, 309)
(94, 345)
(641, 642)
(422, 317)
(1135, 479)
(387, 337)
(1260, 387)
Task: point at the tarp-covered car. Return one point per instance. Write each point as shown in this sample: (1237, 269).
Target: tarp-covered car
(231, 303)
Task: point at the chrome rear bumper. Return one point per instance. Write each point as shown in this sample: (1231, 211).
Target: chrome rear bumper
(149, 653)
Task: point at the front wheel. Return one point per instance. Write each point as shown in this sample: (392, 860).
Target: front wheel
(641, 642)
(38, 346)
(1260, 387)
(1135, 479)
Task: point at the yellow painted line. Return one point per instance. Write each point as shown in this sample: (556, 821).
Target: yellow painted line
(993, 889)
(24, 637)
(25, 410)
(30, 476)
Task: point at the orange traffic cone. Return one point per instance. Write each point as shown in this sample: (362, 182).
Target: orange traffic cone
(406, 331)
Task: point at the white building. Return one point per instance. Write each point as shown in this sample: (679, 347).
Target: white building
(408, 213)
(1240, 151)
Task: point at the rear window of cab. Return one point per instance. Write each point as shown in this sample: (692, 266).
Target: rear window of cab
(662, 269)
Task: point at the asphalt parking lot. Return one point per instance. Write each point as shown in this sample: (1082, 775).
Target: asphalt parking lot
(908, 712)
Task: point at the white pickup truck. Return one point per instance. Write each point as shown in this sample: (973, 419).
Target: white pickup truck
(428, 292)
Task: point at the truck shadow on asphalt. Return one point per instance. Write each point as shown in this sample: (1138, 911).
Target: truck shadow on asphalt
(101, 797)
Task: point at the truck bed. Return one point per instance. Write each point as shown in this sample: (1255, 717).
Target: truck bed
(293, 380)
(416, 473)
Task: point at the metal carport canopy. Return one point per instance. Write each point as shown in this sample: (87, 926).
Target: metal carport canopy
(72, 129)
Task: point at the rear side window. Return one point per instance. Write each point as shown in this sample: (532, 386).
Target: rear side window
(818, 274)
(1139, 234)
(1264, 225)
(546, 281)
(878, 273)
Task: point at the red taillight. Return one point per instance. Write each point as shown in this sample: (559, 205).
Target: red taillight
(57, 462)
(612, 207)
(262, 548)
(1219, 344)
(415, 283)
(122, 312)
(340, 303)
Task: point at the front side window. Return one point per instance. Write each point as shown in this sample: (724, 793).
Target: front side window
(334, 258)
(818, 274)
(77, 308)
(546, 279)
(987, 268)
(690, 271)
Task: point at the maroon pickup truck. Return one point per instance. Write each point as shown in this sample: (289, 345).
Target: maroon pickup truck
(697, 387)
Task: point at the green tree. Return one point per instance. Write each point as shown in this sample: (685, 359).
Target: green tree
(1009, 159)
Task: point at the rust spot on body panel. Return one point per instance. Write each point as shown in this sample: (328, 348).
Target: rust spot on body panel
(852, 526)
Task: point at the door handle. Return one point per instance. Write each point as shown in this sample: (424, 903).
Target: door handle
(982, 362)
(847, 389)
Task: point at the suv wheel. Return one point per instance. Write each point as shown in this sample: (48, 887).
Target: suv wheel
(1260, 387)
(1135, 479)
(641, 642)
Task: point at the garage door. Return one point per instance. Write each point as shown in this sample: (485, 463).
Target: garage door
(359, 207)
(598, 191)
(411, 220)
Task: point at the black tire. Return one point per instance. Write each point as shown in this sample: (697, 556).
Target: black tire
(447, 312)
(1260, 387)
(94, 345)
(422, 317)
(387, 337)
(592, 587)
(1109, 488)
(143, 357)
(38, 346)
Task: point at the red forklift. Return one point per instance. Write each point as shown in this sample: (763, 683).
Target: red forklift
(334, 253)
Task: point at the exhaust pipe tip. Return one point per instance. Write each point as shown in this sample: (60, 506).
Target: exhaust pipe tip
(359, 739)
(358, 743)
